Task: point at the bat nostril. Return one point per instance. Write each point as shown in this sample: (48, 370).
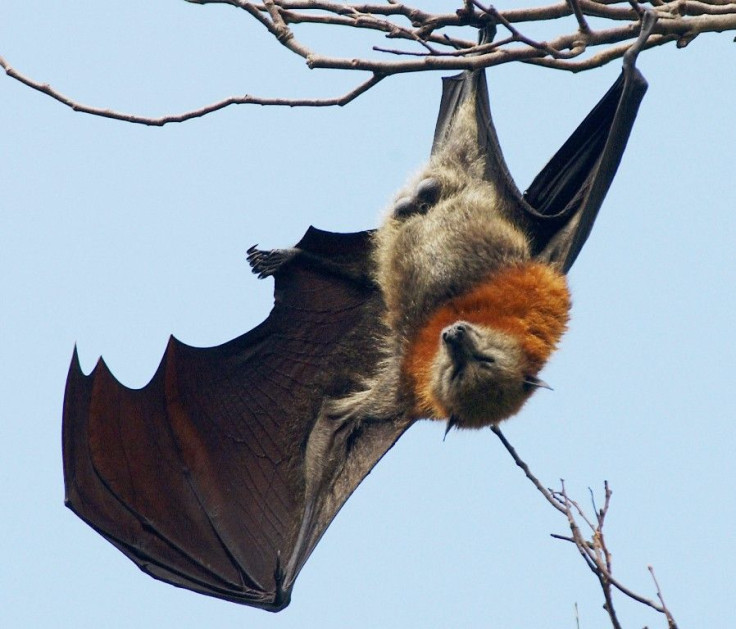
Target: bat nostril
(454, 333)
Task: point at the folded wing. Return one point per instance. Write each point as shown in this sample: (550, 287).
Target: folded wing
(561, 204)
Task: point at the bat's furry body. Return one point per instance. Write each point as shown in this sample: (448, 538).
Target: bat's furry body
(223, 473)
(458, 256)
(427, 257)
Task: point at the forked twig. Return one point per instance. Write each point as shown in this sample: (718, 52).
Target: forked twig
(593, 550)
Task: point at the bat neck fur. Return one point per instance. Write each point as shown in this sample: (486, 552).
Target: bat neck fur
(529, 302)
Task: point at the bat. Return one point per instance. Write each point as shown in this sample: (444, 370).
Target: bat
(224, 471)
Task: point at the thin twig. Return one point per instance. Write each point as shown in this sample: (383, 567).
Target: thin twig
(671, 624)
(578, 12)
(518, 36)
(517, 459)
(594, 551)
(474, 50)
(195, 113)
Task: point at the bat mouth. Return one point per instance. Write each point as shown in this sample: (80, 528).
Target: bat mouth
(459, 347)
(458, 371)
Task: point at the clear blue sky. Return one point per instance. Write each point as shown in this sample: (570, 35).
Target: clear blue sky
(113, 236)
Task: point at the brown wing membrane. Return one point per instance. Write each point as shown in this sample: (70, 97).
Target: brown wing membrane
(560, 206)
(198, 476)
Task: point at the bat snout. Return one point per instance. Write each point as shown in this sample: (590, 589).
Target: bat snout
(455, 335)
(459, 343)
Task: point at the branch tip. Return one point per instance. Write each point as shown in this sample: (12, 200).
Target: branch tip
(594, 551)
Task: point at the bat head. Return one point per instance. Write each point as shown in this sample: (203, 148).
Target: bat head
(476, 358)
(479, 375)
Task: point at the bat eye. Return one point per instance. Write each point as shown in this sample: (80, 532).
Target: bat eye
(405, 207)
(428, 192)
(485, 359)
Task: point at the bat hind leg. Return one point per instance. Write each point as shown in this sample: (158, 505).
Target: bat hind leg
(377, 399)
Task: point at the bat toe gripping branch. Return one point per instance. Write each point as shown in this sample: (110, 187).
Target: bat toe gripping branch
(648, 21)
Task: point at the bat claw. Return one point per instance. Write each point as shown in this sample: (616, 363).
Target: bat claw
(266, 263)
(282, 594)
(451, 423)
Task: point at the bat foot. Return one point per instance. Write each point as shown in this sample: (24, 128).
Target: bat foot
(648, 22)
(266, 263)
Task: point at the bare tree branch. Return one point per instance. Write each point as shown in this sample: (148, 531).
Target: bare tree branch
(583, 26)
(594, 551)
(671, 624)
(195, 113)
(431, 47)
